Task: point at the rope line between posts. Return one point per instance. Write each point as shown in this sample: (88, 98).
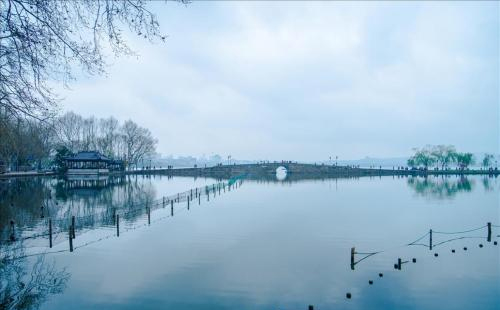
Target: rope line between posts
(426, 245)
(414, 242)
(459, 232)
(154, 204)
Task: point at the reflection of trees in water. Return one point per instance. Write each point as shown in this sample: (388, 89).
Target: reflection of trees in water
(440, 187)
(22, 199)
(24, 285)
(30, 201)
(489, 183)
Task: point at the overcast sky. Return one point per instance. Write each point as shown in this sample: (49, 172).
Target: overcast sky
(306, 81)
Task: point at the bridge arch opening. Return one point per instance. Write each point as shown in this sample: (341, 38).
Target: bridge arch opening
(281, 173)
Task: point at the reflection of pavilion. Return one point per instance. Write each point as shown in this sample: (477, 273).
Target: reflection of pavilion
(90, 184)
(92, 181)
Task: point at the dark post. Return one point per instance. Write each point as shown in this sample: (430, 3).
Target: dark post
(50, 233)
(188, 203)
(430, 239)
(70, 241)
(489, 231)
(12, 231)
(199, 199)
(164, 201)
(73, 227)
(172, 209)
(149, 216)
(118, 225)
(399, 263)
(353, 251)
(311, 307)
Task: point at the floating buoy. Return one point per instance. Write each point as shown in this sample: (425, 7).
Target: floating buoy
(480, 245)
(465, 248)
(435, 254)
(370, 282)
(414, 260)
(348, 295)
(381, 275)
(395, 266)
(453, 251)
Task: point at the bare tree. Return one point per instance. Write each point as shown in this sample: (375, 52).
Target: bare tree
(42, 40)
(69, 128)
(138, 142)
(108, 134)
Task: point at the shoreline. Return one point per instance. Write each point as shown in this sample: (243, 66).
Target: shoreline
(267, 170)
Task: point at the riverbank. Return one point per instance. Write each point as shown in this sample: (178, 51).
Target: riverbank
(269, 170)
(18, 174)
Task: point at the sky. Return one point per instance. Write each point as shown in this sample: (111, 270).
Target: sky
(308, 80)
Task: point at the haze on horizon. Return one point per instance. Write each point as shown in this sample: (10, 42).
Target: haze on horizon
(305, 81)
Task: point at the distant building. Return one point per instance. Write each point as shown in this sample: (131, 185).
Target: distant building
(91, 162)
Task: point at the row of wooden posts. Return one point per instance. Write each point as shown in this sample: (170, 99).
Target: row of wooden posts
(197, 193)
(398, 265)
(400, 262)
(116, 217)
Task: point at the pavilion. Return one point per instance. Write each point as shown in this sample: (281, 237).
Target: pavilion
(92, 162)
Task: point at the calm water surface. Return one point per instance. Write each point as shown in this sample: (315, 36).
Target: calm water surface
(263, 245)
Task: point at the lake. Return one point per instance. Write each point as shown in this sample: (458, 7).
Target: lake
(251, 243)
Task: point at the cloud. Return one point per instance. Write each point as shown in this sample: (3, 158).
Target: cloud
(307, 80)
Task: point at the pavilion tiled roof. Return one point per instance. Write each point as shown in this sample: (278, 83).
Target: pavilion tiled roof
(88, 156)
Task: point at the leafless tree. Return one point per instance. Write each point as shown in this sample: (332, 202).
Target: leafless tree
(138, 141)
(43, 40)
(108, 134)
(128, 141)
(25, 287)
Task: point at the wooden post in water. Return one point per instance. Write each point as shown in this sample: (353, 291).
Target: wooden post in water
(489, 231)
(149, 215)
(164, 201)
(172, 209)
(118, 225)
(73, 227)
(188, 203)
(50, 233)
(430, 239)
(70, 241)
(399, 263)
(12, 231)
(353, 251)
(199, 199)
(311, 307)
